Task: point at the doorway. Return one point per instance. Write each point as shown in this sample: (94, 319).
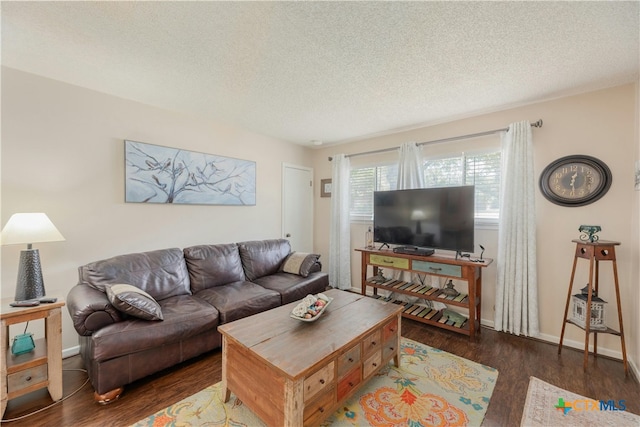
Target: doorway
(297, 207)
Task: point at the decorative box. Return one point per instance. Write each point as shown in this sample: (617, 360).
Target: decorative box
(579, 312)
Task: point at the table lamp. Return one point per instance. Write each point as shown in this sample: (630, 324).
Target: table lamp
(29, 228)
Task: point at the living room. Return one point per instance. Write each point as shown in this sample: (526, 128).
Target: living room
(62, 154)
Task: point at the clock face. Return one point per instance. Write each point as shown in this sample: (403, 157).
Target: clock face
(575, 180)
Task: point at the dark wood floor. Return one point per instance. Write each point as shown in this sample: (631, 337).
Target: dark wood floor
(515, 358)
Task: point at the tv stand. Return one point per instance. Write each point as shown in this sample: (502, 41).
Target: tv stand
(413, 250)
(434, 265)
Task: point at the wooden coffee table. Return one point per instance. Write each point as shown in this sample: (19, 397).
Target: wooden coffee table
(294, 373)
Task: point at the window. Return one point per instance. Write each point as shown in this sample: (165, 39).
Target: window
(364, 181)
(479, 169)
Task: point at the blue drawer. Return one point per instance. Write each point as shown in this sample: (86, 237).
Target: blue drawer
(437, 268)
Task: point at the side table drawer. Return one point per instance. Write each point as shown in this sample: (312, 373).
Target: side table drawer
(23, 379)
(389, 261)
(437, 268)
(318, 381)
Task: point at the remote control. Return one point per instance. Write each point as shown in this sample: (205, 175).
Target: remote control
(48, 300)
(26, 303)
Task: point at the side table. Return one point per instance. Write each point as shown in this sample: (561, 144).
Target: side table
(601, 250)
(40, 368)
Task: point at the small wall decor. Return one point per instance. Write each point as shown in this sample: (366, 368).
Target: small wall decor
(637, 184)
(325, 187)
(156, 174)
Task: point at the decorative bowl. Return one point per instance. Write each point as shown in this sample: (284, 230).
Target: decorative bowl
(307, 305)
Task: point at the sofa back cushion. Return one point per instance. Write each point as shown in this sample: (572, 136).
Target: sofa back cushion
(161, 274)
(263, 257)
(213, 265)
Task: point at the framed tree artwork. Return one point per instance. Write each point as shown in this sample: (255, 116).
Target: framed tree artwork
(157, 174)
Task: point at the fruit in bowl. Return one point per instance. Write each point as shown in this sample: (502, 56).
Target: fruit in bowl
(310, 307)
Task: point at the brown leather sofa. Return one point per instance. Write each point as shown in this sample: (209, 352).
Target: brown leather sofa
(196, 289)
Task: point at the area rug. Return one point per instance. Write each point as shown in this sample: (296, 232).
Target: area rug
(431, 388)
(548, 405)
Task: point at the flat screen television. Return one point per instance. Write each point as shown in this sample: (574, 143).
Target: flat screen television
(432, 218)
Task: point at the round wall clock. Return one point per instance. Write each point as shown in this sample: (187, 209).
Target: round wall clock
(575, 180)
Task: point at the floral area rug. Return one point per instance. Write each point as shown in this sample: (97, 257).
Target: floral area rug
(548, 405)
(431, 388)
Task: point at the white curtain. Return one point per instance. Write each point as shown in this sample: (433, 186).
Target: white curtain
(339, 228)
(410, 167)
(410, 176)
(517, 288)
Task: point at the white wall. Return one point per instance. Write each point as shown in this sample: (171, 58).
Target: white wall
(602, 124)
(63, 154)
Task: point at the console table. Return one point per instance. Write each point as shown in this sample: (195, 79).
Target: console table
(433, 265)
(601, 250)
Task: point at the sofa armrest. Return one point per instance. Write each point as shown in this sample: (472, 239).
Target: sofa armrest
(90, 309)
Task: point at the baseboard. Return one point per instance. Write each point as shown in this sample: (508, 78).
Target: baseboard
(68, 352)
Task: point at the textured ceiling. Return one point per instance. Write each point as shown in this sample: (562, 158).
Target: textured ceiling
(329, 71)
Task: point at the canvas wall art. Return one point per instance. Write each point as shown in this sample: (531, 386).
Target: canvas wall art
(156, 174)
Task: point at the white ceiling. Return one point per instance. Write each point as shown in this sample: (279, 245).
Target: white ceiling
(329, 71)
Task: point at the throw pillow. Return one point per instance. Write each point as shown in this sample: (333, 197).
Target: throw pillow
(134, 302)
(299, 263)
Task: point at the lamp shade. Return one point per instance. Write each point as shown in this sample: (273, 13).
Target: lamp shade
(30, 228)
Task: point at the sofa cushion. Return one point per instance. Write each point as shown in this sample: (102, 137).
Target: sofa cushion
(161, 274)
(213, 265)
(263, 257)
(293, 287)
(239, 299)
(134, 302)
(299, 263)
(184, 316)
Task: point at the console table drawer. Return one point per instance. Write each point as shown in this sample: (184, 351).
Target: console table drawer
(389, 261)
(318, 380)
(437, 268)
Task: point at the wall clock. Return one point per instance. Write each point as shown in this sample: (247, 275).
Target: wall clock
(575, 180)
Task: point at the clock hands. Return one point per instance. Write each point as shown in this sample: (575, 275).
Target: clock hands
(573, 183)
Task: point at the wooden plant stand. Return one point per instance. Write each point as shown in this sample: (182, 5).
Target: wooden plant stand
(602, 250)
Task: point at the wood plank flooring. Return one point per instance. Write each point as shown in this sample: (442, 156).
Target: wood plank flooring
(515, 358)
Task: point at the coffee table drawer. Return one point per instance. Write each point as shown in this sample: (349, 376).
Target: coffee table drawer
(389, 348)
(319, 380)
(390, 330)
(349, 382)
(372, 342)
(348, 360)
(318, 409)
(371, 364)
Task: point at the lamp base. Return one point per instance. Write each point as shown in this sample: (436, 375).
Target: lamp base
(30, 283)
